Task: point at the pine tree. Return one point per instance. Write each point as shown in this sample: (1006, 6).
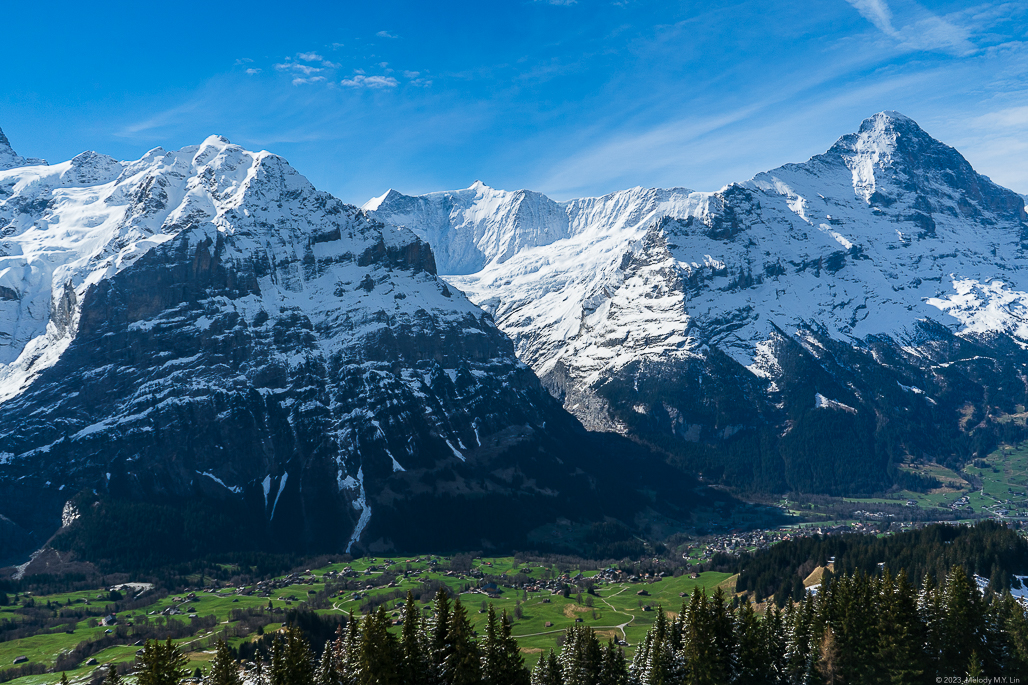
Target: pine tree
(161, 664)
(277, 673)
(754, 660)
(440, 631)
(297, 661)
(581, 658)
(259, 675)
(901, 635)
(930, 609)
(462, 665)
(492, 668)
(615, 669)
(722, 635)
(1015, 628)
(224, 670)
(378, 653)
(962, 623)
(974, 666)
(511, 660)
(547, 671)
(64, 676)
(415, 667)
(775, 644)
(328, 670)
(349, 657)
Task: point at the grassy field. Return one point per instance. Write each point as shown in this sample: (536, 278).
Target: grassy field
(615, 610)
(987, 486)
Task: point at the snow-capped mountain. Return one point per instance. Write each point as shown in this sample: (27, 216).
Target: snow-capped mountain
(684, 318)
(10, 159)
(203, 324)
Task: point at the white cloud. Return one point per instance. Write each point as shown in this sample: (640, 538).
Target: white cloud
(330, 65)
(305, 69)
(876, 12)
(411, 74)
(560, 3)
(381, 82)
(310, 56)
(243, 60)
(386, 34)
(251, 72)
(314, 79)
(996, 143)
(362, 81)
(925, 32)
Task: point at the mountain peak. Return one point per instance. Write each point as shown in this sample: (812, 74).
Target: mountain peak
(9, 159)
(891, 156)
(376, 202)
(885, 133)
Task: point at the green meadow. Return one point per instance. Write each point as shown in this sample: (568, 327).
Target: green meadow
(614, 609)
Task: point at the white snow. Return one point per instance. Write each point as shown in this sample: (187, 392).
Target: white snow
(281, 487)
(361, 505)
(822, 402)
(456, 453)
(586, 286)
(232, 488)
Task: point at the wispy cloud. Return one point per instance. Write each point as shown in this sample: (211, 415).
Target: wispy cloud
(730, 145)
(362, 81)
(386, 34)
(310, 56)
(996, 142)
(243, 60)
(253, 71)
(924, 31)
(876, 12)
(559, 3)
(305, 69)
(298, 81)
(161, 120)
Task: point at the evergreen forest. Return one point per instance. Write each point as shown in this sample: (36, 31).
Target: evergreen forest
(859, 628)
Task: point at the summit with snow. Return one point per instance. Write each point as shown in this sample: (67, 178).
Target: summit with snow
(202, 329)
(888, 240)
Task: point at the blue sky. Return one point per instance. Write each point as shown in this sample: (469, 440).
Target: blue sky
(569, 98)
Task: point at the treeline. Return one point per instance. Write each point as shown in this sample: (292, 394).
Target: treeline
(859, 629)
(987, 549)
(438, 650)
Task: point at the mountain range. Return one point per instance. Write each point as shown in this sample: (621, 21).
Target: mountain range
(812, 328)
(199, 351)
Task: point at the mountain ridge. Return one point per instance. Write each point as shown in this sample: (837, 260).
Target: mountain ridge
(855, 246)
(203, 326)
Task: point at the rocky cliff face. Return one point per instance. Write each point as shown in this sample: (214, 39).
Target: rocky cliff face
(204, 325)
(810, 328)
(10, 159)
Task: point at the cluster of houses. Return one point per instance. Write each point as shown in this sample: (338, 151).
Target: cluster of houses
(736, 543)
